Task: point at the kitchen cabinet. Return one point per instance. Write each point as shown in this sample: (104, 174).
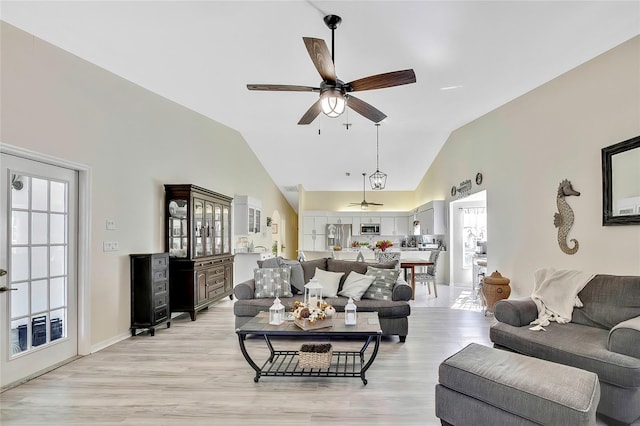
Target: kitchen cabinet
(342, 220)
(315, 225)
(393, 225)
(198, 223)
(355, 226)
(432, 218)
(247, 215)
(149, 291)
(314, 242)
(370, 219)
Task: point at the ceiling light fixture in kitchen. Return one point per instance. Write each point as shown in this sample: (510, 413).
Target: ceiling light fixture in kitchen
(378, 179)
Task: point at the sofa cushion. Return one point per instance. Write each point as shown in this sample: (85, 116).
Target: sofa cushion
(571, 344)
(330, 281)
(272, 282)
(356, 285)
(297, 274)
(608, 300)
(382, 286)
(347, 266)
(309, 267)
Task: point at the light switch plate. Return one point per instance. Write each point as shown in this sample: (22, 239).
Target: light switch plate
(111, 224)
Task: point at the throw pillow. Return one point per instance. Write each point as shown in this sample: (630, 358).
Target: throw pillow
(309, 267)
(272, 282)
(330, 281)
(382, 286)
(356, 285)
(297, 275)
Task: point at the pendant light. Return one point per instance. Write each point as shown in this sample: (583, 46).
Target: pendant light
(378, 179)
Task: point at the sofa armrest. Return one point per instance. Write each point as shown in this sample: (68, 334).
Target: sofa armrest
(624, 338)
(245, 290)
(516, 312)
(401, 290)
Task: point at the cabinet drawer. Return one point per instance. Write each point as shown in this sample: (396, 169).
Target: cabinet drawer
(214, 291)
(160, 274)
(215, 277)
(160, 287)
(160, 261)
(160, 300)
(160, 314)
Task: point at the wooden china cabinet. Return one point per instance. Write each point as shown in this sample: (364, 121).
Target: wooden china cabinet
(198, 224)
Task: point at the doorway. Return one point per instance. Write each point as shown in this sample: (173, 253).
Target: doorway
(39, 254)
(468, 235)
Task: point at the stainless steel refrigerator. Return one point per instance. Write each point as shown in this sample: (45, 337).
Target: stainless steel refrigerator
(338, 235)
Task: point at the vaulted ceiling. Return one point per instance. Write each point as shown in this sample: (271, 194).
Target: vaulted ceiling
(469, 58)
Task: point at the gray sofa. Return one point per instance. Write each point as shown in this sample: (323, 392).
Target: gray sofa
(603, 337)
(393, 313)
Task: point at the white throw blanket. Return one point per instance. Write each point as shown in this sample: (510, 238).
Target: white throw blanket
(555, 293)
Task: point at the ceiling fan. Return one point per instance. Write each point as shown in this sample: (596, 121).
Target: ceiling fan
(334, 93)
(364, 205)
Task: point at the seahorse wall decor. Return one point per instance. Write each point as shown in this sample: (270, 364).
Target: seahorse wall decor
(563, 220)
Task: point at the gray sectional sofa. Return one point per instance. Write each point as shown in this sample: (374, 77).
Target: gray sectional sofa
(603, 337)
(393, 313)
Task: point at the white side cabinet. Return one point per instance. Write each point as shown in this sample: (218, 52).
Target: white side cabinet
(432, 218)
(314, 230)
(247, 215)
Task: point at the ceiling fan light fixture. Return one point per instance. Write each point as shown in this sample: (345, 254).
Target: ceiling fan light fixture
(332, 102)
(364, 206)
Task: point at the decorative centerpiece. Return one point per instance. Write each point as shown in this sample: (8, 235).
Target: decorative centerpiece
(384, 244)
(313, 312)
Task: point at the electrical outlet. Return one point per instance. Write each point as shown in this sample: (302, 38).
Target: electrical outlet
(110, 246)
(111, 224)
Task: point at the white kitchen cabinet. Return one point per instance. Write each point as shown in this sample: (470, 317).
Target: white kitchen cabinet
(355, 226)
(342, 220)
(314, 225)
(247, 216)
(314, 242)
(402, 227)
(370, 219)
(432, 218)
(387, 226)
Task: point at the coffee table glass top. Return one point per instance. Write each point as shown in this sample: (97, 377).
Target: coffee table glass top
(368, 323)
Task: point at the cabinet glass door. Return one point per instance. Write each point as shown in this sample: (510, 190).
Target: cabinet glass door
(177, 232)
(226, 242)
(208, 229)
(198, 227)
(252, 220)
(257, 225)
(217, 228)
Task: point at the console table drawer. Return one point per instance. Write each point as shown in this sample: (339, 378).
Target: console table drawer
(160, 287)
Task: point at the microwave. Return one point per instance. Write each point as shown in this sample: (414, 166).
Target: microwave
(369, 229)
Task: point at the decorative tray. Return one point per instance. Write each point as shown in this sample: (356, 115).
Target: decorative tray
(304, 323)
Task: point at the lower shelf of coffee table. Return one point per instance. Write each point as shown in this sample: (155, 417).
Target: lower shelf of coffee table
(285, 363)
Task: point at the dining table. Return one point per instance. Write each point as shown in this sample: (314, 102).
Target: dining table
(411, 264)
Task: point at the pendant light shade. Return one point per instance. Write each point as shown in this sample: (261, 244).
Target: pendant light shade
(332, 102)
(378, 179)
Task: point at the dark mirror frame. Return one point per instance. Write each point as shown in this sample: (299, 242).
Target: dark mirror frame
(607, 188)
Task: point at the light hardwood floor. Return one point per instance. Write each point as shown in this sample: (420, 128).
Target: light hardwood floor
(194, 373)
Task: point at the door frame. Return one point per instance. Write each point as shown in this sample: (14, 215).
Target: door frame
(477, 199)
(84, 236)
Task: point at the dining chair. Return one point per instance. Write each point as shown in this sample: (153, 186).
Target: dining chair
(385, 256)
(429, 276)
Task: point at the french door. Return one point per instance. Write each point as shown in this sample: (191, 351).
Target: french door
(38, 256)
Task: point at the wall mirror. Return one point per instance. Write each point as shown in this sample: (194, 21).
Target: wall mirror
(621, 183)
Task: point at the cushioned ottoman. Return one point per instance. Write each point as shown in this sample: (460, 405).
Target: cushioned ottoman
(485, 386)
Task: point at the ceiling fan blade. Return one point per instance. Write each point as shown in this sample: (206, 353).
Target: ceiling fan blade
(375, 204)
(380, 81)
(364, 109)
(282, 88)
(311, 113)
(321, 58)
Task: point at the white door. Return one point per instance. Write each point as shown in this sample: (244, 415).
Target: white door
(38, 251)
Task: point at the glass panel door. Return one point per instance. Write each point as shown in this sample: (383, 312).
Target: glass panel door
(198, 227)
(226, 238)
(208, 225)
(39, 324)
(217, 228)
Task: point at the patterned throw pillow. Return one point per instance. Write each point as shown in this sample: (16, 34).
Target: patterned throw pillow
(382, 286)
(272, 282)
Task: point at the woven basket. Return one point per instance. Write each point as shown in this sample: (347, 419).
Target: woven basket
(315, 359)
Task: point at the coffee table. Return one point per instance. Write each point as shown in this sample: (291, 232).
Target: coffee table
(285, 362)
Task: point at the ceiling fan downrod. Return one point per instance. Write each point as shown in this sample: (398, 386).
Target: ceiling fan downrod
(332, 21)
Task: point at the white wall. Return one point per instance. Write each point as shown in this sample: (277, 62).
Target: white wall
(526, 147)
(134, 141)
